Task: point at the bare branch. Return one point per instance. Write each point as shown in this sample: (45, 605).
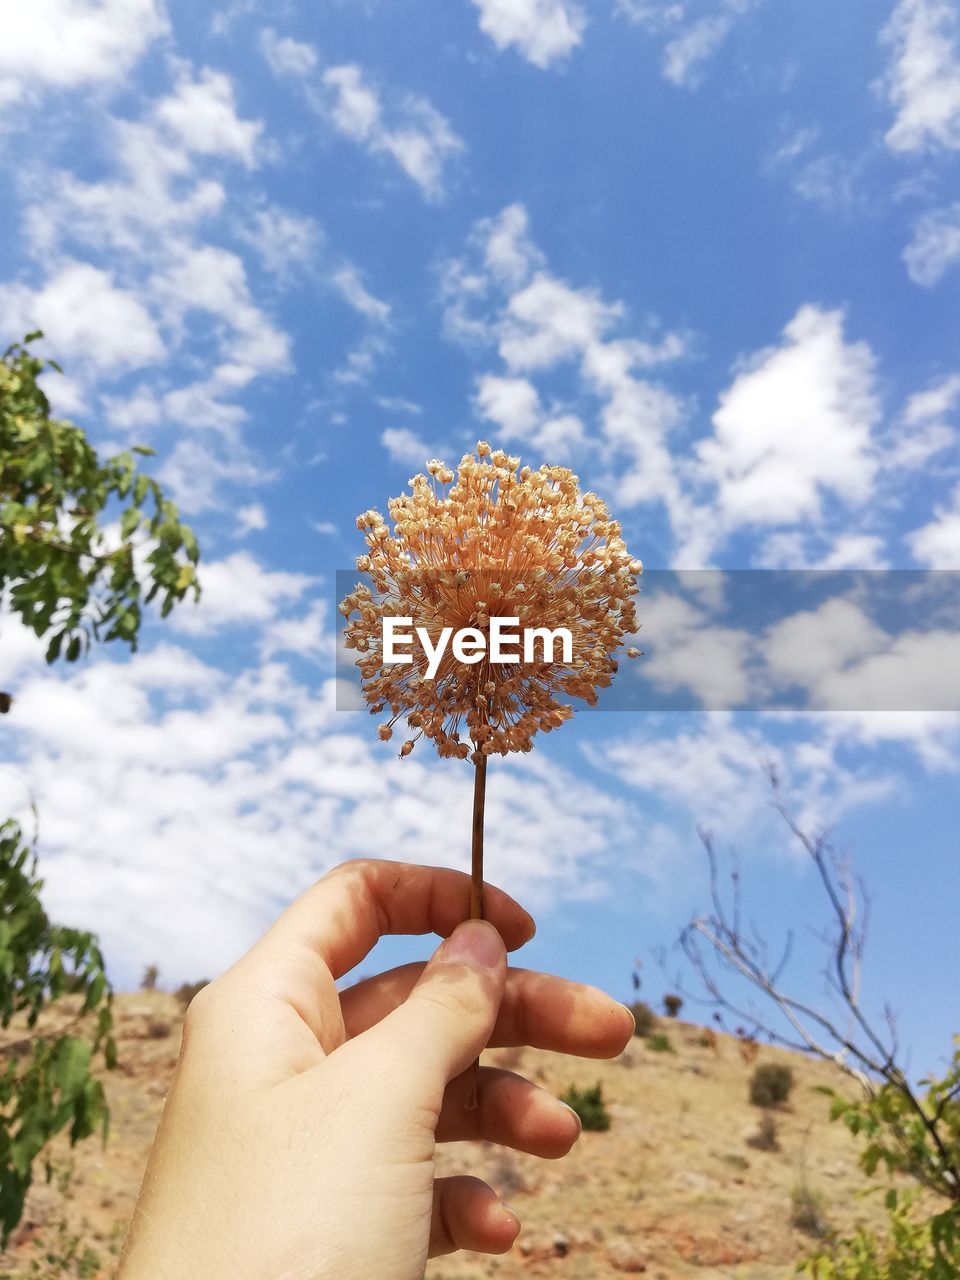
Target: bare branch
(868, 1055)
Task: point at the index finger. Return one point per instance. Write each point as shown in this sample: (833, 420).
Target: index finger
(345, 913)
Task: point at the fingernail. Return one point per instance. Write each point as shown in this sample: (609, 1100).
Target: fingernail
(473, 942)
(512, 1211)
(574, 1114)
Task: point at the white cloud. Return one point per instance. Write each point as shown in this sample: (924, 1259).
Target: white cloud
(285, 242)
(923, 80)
(199, 406)
(935, 246)
(308, 636)
(691, 37)
(67, 396)
(238, 591)
(251, 519)
(798, 436)
(161, 780)
(796, 423)
(934, 404)
(714, 775)
(846, 662)
(506, 258)
(805, 647)
(155, 195)
(819, 549)
(923, 429)
(542, 31)
(87, 319)
(398, 404)
(937, 545)
(855, 551)
(362, 361)
(561, 437)
(356, 107)
(134, 411)
(145, 216)
(404, 445)
(508, 251)
(688, 651)
(202, 114)
(547, 322)
(198, 475)
(830, 180)
(502, 294)
(684, 55)
(210, 279)
(286, 56)
(68, 43)
(512, 403)
(412, 132)
(418, 138)
(347, 282)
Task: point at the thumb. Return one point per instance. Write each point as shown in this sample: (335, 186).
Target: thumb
(449, 1015)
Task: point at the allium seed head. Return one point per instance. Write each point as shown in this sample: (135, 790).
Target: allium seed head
(502, 542)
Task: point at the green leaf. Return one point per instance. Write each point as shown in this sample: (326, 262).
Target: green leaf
(53, 648)
(131, 518)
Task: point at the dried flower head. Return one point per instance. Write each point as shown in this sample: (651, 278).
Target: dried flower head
(494, 540)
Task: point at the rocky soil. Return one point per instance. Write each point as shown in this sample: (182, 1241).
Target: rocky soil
(674, 1190)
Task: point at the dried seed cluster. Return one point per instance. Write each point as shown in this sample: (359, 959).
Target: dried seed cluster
(493, 540)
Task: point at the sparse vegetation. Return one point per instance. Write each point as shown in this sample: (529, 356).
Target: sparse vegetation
(644, 1017)
(62, 1254)
(672, 1004)
(765, 1137)
(158, 1029)
(908, 1129)
(589, 1106)
(735, 1160)
(52, 1087)
(505, 1174)
(913, 1247)
(660, 1043)
(770, 1084)
(670, 1155)
(151, 976)
(808, 1211)
(187, 990)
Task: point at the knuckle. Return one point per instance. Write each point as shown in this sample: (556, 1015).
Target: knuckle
(353, 867)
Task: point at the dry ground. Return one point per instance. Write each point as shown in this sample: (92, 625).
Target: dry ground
(672, 1190)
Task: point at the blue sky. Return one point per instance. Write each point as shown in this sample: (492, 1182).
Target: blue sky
(705, 252)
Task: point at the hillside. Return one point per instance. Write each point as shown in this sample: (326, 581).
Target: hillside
(672, 1191)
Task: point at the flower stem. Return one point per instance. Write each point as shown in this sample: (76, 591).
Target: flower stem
(476, 886)
(476, 866)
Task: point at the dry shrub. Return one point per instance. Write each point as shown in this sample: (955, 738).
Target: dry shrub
(644, 1017)
(765, 1138)
(770, 1084)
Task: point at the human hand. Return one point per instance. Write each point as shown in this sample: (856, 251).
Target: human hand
(297, 1140)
